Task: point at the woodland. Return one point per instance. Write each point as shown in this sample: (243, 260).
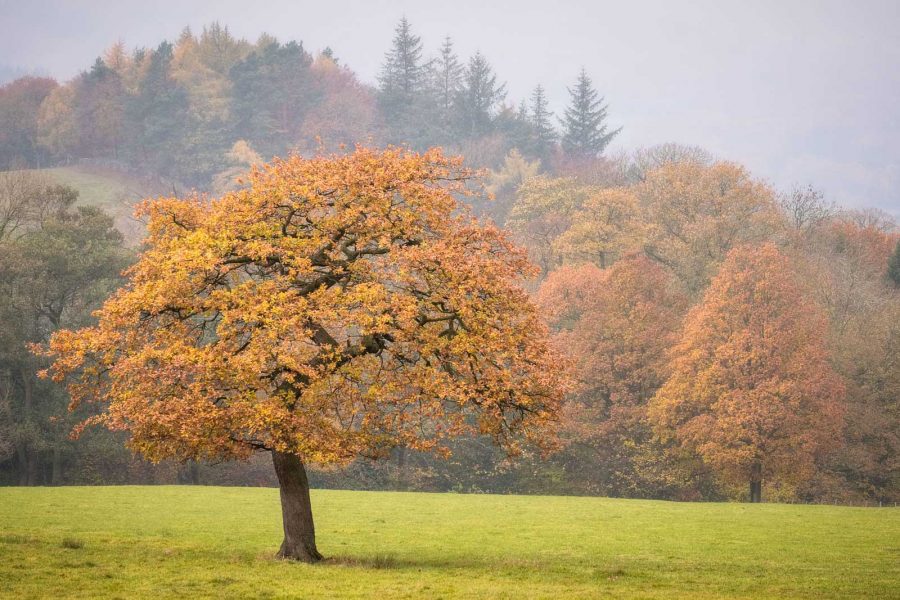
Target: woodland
(443, 289)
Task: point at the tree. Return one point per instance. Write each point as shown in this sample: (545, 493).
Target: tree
(752, 390)
(347, 112)
(696, 213)
(843, 262)
(606, 226)
(504, 182)
(402, 79)
(478, 99)
(271, 95)
(544, 135)
(447, 74)
(158, 116)
(56, 262)
(805, 209)
(338, 307)
(99, 111)
(57, 131)
(563, 220)
(893, 271)
(616, 325)
(585, 132)
(644, 160)
(543, 212)
(20, 102)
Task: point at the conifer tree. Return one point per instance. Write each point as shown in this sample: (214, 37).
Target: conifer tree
(543, 131)
(447, 73)
(402, 76)
(585, 132)
(478, 98)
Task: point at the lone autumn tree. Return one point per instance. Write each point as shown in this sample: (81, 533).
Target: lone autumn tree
(336, 307)
(751, 390)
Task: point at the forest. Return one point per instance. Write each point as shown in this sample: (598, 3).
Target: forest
(710, 337)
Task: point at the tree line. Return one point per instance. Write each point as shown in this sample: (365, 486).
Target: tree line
(178, 110)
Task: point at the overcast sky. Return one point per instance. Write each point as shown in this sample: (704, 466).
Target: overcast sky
(799, 91)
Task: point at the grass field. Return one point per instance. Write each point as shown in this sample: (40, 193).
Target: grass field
(114, 192)
(190, 542)
(107, 190)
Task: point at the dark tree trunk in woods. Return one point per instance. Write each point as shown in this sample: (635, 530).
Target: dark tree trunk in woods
(756, 483)
(27, 456)
(56, 471)
(296, 511)
(22, 453)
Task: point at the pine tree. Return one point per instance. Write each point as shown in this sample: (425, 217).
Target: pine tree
(402, 76)
(543, 131)
(478, 98)
(585, 133)
(447, 74)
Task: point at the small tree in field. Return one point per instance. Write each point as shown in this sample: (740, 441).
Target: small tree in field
(337, 307)
(751, 390)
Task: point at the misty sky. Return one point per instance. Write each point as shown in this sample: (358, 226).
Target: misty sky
(799, 91)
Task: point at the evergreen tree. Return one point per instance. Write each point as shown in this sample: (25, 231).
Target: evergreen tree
(159, 116)
(271, 94)
(585, 133)
(403, 77)
(894, 266)
(447, 74)
(478, 99)
(544, 133)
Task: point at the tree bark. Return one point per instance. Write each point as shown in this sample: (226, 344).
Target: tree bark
(756, 483)
(296, 510)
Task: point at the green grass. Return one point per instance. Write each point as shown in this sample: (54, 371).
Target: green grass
(107, 190)
(114, 192)
(206, 542)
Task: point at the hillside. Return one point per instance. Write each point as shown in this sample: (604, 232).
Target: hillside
(218, 542)
(113, 191)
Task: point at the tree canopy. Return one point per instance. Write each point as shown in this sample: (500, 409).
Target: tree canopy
(337, 307)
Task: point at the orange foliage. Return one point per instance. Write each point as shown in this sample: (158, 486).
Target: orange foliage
(696, 213)
(336, 307)
(617, 325)
(752, 390)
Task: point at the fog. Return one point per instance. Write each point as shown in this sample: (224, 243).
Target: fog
(800, 92)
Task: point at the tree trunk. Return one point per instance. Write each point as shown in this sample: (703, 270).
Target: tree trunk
(22, 453)
(56, 471)
(27, 393)
(756, 483)
(296, 511)
(33, 464)
(401, 468)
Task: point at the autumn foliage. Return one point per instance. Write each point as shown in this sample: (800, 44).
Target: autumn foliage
(335, 307)
(751, 390)
(618, 325)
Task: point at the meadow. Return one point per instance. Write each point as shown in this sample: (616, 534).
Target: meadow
(205, 542)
